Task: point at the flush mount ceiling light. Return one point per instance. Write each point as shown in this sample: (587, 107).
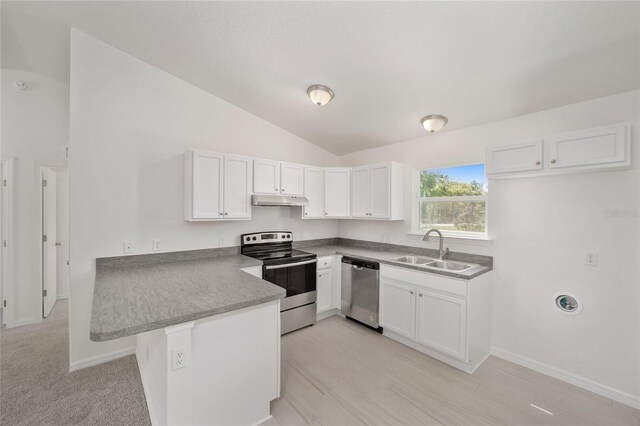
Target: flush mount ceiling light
(320, 95)
(434, 123)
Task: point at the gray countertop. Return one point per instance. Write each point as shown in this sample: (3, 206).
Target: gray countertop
(132, 296)
(382, 254)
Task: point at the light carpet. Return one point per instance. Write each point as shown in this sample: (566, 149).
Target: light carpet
(36, 387)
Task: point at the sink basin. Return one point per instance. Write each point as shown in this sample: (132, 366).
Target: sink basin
(412, 260)
(448, 265)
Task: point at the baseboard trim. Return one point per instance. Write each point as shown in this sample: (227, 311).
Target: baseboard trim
(100, 359)
(25, 321)
(565, 376)
(62, 296)
(327, 314)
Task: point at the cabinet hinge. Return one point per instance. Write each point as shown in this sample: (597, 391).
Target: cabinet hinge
(4, 183)
(44, 238)
(4, 243)
(44, 182)
(4, 304)
(44, 293)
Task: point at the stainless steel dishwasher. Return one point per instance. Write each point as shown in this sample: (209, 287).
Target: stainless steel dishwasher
(360, 291)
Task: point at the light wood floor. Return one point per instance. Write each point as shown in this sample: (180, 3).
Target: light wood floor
(339, 373)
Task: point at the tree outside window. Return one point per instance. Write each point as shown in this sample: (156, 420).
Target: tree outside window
(454, 199)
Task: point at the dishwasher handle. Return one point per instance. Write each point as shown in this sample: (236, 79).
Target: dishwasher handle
(360, 264)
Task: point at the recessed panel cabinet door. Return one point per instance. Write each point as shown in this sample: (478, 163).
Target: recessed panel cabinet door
(237, 187)
(519, 157)
(380, 183)
(442, 323)
(588, 147)
(360, 192)
(314, 191)
(266, 177)
(207, 185)
(291, 179)
(337, 200)
(323, 286)
(398, 307)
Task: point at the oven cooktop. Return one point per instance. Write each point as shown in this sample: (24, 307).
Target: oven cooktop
(272, 247)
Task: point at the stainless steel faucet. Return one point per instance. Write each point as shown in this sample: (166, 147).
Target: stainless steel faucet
(443, 252)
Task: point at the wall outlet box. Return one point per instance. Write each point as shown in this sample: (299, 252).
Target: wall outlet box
(591, 259)
(128, 247)
(157, 245)
(179, 358)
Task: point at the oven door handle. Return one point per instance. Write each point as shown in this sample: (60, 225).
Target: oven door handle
(289, 265)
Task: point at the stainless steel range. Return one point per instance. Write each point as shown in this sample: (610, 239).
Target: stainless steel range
(291, 269)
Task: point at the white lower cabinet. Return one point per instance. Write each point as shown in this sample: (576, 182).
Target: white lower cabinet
(323, 286)
(398, 307)
(442, 323)
(447, 318)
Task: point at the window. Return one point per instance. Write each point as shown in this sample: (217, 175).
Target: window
(454, 200)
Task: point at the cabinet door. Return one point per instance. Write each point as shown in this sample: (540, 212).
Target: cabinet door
(237, 187)
(337, 183)
(266, 177)
(291, 179)
(520, 157)
(398, 307)
(442, 323)
(323, 286)
(314, 191)
(588, 147)
(380, 184)
(207, 185)
(360, 192)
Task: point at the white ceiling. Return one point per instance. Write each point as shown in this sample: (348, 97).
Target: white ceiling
(389, 63)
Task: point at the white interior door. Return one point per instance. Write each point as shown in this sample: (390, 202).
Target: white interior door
(49, 250)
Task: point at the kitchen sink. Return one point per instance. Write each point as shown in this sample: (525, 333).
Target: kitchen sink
(412, 260)
(430, 263)
(448, 265)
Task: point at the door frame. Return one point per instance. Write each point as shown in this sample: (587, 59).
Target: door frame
(6, 231)
(38, 246)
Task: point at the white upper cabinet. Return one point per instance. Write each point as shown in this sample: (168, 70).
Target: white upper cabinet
(314, 191)
(291, 179)
(337, 196)
(589, 148)
(519, 157)
(266, 177)
(237, 187)
(377, 191)
(203, 179)
(276, 178)
(360, 192)
(602, 148)
(217, 186)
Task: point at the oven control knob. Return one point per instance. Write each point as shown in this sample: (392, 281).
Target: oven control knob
(254, 238)
(248, 238)
(288, 236)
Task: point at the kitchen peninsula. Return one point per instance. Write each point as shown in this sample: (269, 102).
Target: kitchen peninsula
(208, 333)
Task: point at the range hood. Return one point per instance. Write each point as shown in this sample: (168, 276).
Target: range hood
(279, 200)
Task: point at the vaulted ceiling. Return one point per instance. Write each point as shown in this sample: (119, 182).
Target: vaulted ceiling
(389, 63)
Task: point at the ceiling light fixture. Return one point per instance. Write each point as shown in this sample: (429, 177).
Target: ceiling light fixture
(434, 123)
(319, 94)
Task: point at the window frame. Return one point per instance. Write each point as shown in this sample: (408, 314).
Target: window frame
(466, 235)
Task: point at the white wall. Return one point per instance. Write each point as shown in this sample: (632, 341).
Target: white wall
(130, 124)
(542, 228)
(35, 128)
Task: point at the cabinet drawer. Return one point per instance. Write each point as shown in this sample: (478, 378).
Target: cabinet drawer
(325, 262)
(447, 285)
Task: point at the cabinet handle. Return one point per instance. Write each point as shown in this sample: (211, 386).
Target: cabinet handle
(411, 292)
(306, 213)
(553, 161)
(275, 189)
(284, 190)
(537, 163)
(420, 294)
(221, 214)
(226, 214)
(326, 214)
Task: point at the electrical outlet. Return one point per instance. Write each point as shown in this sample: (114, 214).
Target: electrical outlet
(157, 245)
(179, 358)
(128, 247)
(591, 259)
